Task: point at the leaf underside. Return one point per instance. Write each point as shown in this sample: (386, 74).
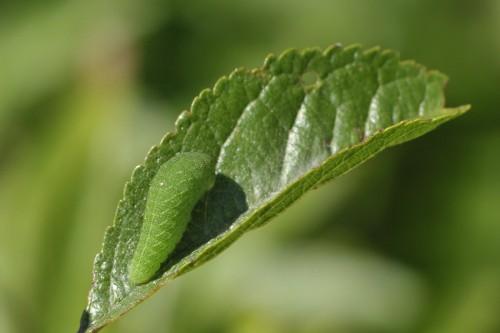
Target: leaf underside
(276, 132)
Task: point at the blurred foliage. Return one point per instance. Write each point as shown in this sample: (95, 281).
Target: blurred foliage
(410, 242)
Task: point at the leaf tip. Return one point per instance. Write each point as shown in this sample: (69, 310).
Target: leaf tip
(84, 322)
(456, 111)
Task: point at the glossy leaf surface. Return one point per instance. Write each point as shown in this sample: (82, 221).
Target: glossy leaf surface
(276, 132)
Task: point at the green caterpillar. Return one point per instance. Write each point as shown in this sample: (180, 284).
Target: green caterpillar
(174, 191)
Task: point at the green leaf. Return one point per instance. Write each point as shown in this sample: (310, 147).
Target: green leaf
(276, 132)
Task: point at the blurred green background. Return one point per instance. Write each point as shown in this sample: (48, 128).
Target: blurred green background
(409, 242)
